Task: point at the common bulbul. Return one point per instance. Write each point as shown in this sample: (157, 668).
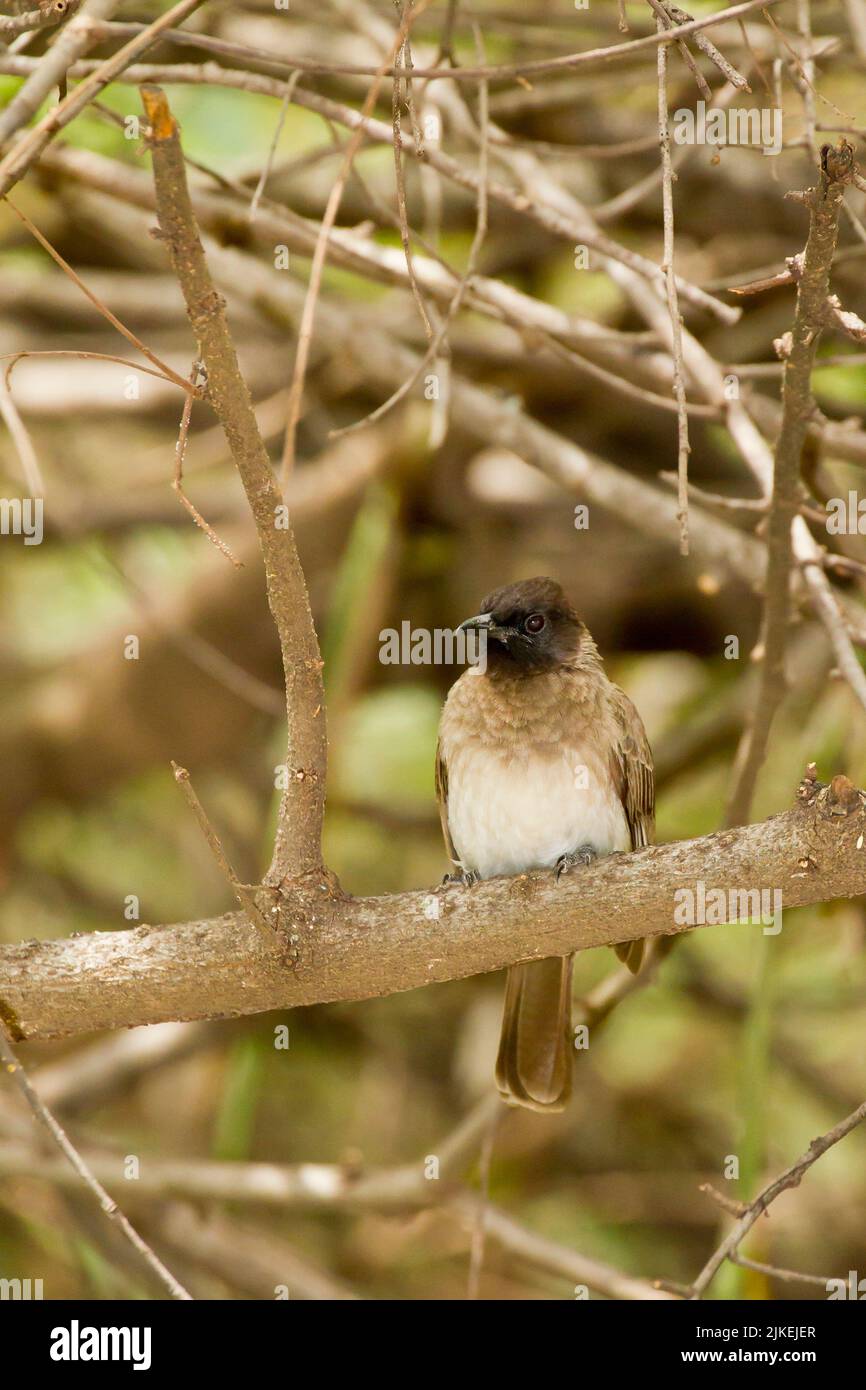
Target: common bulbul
(542, 763)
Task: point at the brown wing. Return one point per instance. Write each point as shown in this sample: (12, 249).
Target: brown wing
(442, 798)
(631, 764)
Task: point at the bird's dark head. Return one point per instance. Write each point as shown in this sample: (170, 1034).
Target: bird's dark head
(529, 627)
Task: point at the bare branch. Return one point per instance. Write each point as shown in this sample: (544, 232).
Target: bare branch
(665, 22)
(76, 39)
(547, 1254)
(21, 439)
(78, 36)
(538, 211)
(436, 344)
(97, 303)
(177, 480)
(787, 1276)
(790, 1178)
(335, 1187)
(297, 849)
(683, 446)
(55, 1131)
(305, 330)
(499, 73)
(345, 948)
(48, 13)
(824, 203)
(266, 167)
(244, 893)
(706, 46)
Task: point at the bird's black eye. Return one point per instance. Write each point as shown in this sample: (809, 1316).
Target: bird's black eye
(534, 623)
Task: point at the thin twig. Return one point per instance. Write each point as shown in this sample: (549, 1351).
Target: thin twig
(243, 892)
(845, 320)
(787, 1276)
(435, 346)
(805, 69)
(731, 1205)
(22, 441)
(683, 446)
(750, 508)
(13, 358)
(266, 167)
(195, 647)
(747, 44)
(79, 35)
(397, 89)
(76, 39)
(667, 22)
(679, 17)
(177, 481)
(103, 309)
(43, 1115)
(547, 1254)
(305, 329)
(827, 610)
(446, 39)
(500, 72)
(824, 203)
(790, 1178)
(51, 12)
(479, 1231)
(622, 384)
(552, 220)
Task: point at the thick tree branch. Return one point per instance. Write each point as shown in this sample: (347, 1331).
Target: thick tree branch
(345, 948)
(297, 849)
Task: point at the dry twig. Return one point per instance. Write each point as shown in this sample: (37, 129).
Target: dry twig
(790, 1178)
(824, 204)
(297, 848)
(93, 1186)
(683, 446)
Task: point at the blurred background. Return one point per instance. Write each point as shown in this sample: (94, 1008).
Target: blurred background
(743, 1044)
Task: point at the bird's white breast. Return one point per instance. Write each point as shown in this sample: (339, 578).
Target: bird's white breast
(508, 814)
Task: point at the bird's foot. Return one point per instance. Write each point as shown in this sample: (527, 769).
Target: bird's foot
(576, 859)
(464, 878)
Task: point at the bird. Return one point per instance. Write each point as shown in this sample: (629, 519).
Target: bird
(542, 762)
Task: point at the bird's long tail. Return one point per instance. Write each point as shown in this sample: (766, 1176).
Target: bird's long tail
(535, 1049)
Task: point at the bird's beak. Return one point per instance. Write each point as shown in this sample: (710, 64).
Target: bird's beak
(482, 622)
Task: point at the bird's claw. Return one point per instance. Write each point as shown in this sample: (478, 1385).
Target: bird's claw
(575, 859)
(465, 878)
